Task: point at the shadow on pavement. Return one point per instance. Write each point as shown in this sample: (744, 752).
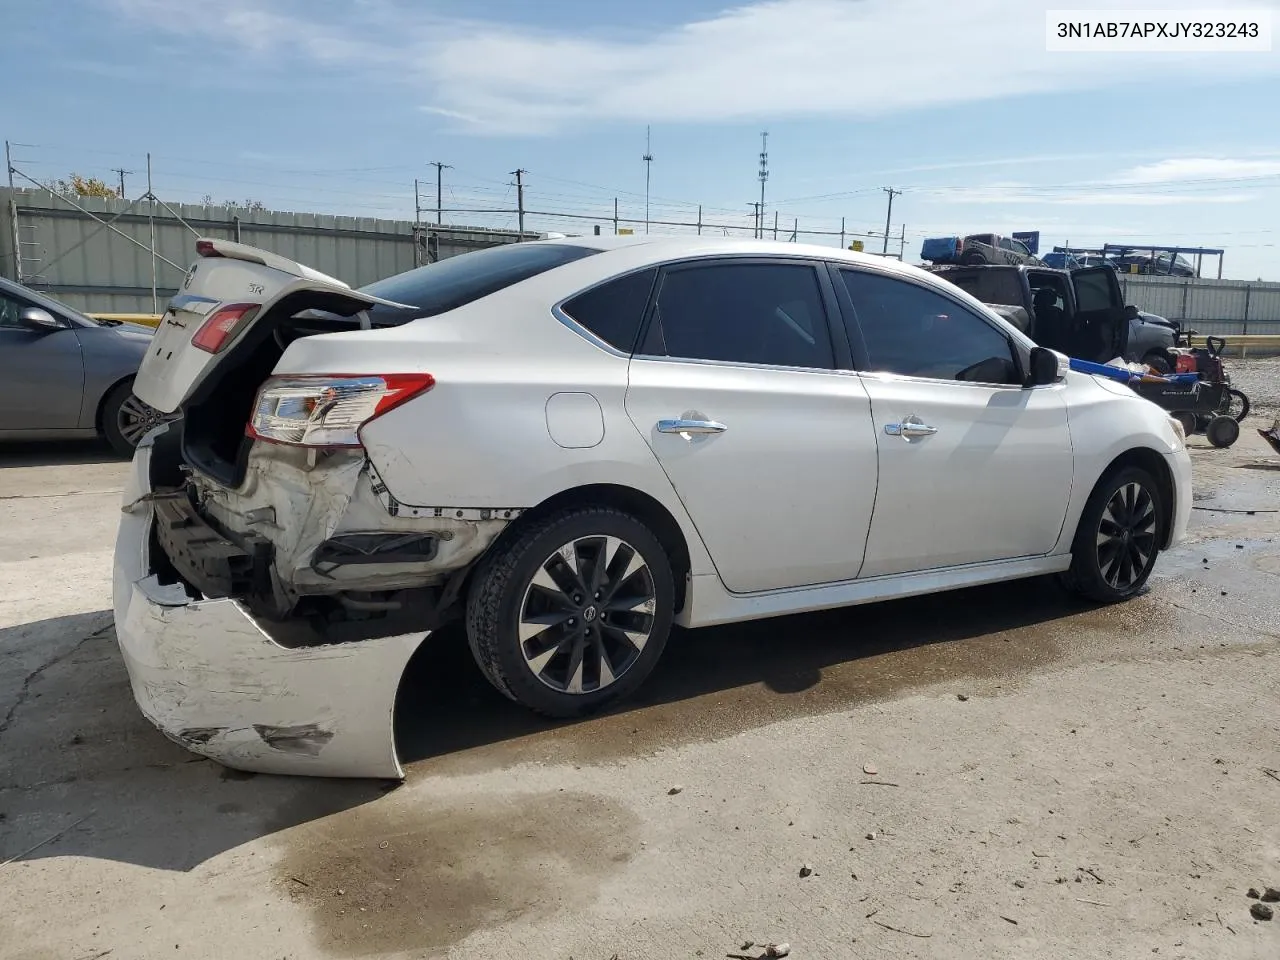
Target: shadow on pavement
(718, 681)
(56, 453)
(77, 754)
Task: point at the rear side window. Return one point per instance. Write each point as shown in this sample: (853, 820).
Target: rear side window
(613, 311)
(455, 282)
(912, 331)
(760, 313)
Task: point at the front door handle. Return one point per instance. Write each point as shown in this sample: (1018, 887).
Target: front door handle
(688, 428)
(910, 427)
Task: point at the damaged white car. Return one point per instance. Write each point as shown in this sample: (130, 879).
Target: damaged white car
(571, 445)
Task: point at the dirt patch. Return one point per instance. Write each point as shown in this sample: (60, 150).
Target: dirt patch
(391, 877)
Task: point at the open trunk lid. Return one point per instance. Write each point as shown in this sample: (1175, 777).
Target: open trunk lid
(231, 289)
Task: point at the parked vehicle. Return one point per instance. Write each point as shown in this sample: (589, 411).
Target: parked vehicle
(571, 445)
(1159, 263)
(977, 248)
(65, 376)
(1064, 260)
(1079, 312)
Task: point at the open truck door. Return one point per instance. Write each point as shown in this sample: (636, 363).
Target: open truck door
(1101, 321)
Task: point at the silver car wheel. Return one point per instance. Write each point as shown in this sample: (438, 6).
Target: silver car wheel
(134, 419)
(587, 614)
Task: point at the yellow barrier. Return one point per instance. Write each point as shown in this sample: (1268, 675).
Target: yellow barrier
(146, 319)
(1259, 344)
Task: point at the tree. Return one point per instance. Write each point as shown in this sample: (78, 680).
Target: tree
(78, 186)
(250, 205)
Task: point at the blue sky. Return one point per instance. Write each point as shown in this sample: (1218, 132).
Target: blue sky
(337, 105)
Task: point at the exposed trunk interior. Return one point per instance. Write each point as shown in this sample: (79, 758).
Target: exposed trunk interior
(215, 418)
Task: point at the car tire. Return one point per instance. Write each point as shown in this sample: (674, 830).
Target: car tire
(973, 259)
(125, 419)
(1106, 565)
(597, 643)
(1223, 430)
(1158, 362)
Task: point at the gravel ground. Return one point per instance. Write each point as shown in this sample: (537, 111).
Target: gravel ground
(1260, 381)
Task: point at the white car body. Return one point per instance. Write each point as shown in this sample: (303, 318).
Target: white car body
(804, 502)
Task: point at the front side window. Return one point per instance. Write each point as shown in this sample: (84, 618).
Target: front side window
(915, 332)
(758, 313)
(1093, 291)
(9, 311)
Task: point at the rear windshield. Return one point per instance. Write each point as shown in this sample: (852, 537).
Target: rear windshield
(452, 283)
(989, 286)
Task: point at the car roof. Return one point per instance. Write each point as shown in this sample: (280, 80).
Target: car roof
(662, 249)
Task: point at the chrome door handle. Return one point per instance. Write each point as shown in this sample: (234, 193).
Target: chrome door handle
(910, 427)
(690, 427)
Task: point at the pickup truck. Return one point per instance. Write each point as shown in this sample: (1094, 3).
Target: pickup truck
(1079, 312)
(976, 249)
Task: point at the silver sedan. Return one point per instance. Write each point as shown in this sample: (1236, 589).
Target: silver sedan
(66, 376)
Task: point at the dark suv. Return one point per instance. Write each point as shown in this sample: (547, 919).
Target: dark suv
(1078, 312)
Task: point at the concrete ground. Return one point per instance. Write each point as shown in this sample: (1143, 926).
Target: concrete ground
(1001, 772)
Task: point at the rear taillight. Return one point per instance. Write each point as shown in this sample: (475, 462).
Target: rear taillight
(223, 324)
(328, 410)
(205, 248)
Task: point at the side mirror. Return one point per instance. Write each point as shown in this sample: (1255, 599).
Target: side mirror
(1046, 367)
(39, 320)
(1131, 312)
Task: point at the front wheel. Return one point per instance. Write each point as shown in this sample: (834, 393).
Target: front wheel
(1118, 537)
(573, 612)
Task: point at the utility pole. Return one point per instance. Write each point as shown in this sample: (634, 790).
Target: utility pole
(764, 175)
(519, 175)
(417, 225)
(440, 168)
(648, 168)
(902, 242)
(892, 193)
(122, 172)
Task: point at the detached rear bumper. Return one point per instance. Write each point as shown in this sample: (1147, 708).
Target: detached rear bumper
(212, 678)
(1180, 467)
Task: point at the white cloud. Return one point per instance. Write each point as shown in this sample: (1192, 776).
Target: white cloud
(771, 59)
(1201, 168)
(991, 194)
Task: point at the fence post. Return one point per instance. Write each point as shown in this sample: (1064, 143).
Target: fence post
(151, 220)
(615, 216)
(842, 233)
(1186, 293)
(13, 214)
(699, 219)
(1248, 289)
(775, 224)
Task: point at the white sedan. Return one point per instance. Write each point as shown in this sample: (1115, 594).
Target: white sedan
(572, 445)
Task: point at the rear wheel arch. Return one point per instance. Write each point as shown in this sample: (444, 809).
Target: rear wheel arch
(99, 423)
(645, 508)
